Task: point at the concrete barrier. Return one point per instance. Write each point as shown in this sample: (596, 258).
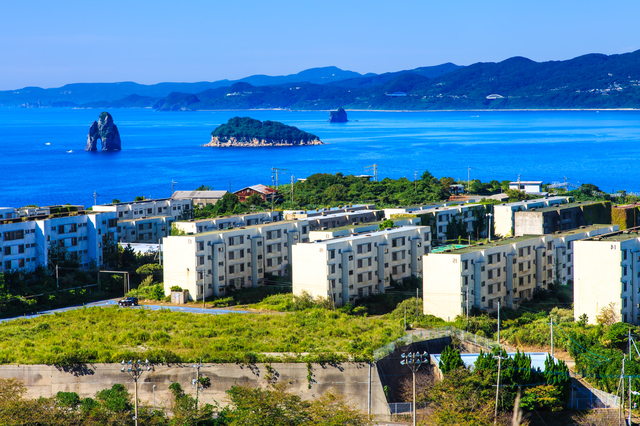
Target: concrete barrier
(358, 382)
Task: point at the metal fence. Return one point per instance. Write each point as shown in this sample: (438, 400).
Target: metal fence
(435, 333)
(405, 407)
(589, 398)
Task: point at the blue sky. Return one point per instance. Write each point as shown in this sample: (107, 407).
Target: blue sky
(49, 44)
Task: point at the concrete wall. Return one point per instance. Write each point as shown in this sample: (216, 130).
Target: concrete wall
(348, 379)
(597, 277)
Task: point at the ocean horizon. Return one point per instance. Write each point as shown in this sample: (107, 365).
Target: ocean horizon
(44, 161)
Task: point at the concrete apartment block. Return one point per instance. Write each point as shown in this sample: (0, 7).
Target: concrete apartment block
(607, 270)
(210, 262)
(306, 214)
(144, 230)
(506, 271)
(149, 208)
(345, 268)
(504, 214)
(25, 242)
(199, 198)
(345, 231)
(195, 226)
(562, 217)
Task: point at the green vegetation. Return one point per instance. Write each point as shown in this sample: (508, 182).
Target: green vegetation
(114, 406)
(113, 334)
(246, 128)
(468, 396)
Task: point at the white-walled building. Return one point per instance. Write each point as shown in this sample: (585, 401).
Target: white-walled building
(527, 186)
(506, 271)
(210, 262)
(607, 270)
(195, 226)
(359, 228)
(345, 268)
(504, 214)
(199, 198)
(25, 242)
(144, 229)
(306, 214)
(148, 208)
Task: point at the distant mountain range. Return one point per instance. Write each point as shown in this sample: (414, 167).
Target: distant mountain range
(589, 81)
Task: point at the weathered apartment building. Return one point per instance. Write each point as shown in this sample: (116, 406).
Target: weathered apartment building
(448, 221)
(208, 263)
(562, 217)
(348, 267)
(147, 221)
(307, 214)
(195, 226)
(607, 271)
(504, 214)
(26, 242)
(506, 271)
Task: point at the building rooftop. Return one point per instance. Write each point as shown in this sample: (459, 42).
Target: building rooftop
(135, 219)
(563, 206)
(260, 225)
(148, 200)
(505, 241)
(617, 236)
(182, 195)
(49, 216)
(534, 201)
(235, 216)
(366, 234)
(628, 206)
(343, 214)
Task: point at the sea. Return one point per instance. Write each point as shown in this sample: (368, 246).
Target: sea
(43, 161)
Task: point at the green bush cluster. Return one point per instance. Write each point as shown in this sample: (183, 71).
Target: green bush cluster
(112, 334)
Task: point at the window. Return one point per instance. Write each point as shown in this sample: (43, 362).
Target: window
(232, 255)
(465, 264)
(13, 235)
(21, 263)
(624, 255)
(359, 263)
(359, 278)
(200, 260)
(269, 262)
(332, 254)
(201, 245)
(232, 269)
(332, 283)
(7, 265)
(370, 276)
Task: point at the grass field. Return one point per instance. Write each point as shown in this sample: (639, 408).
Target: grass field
(113, 334)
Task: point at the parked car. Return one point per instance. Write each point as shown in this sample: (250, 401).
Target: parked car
(129, 301)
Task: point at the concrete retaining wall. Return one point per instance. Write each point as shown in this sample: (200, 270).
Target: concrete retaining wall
(349, 379)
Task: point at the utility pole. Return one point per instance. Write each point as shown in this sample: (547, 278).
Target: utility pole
(375, 171)
(467, 307)
(495, 415)
(275, 170)
(629, 422)
(95, 198)
(498, 324)
(417, 304)
(172, 183)
(551, 337)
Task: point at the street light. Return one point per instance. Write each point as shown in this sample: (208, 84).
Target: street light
(134, 369)
(414, 361)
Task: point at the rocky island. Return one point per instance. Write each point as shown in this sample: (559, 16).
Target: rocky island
(338, 116)
(104, 131)
(248, 132)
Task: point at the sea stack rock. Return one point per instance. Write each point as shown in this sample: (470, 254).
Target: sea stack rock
(339, 116)
(104, 131)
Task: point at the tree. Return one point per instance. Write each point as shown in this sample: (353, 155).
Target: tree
(450, 359)
(139, 198)
(254, 200)
(608, 314)
(115, 201)
(204, 188)
(388, 223)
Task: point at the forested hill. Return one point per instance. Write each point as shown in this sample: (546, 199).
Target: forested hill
(589, 81)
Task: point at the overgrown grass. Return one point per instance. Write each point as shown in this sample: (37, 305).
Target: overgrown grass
(113, 334)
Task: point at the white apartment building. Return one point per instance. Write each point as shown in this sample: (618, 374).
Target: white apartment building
(148, 208)
(607, 270)
(306, 214)
(210, 262)
(195, 226)
(359, 228)
(345, 268)
(7, 212)
(337, 220)
(504, 214)
(150, 229)
(506, 271)
(199, 198)
(25, 243)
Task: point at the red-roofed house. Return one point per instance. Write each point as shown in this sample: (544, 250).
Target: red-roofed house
(264, 191)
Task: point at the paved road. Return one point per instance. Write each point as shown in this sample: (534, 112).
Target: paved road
(112, 302)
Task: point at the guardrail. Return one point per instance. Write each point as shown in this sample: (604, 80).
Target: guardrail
(435, 333)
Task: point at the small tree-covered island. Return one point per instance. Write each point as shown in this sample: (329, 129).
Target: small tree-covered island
(248, 132)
